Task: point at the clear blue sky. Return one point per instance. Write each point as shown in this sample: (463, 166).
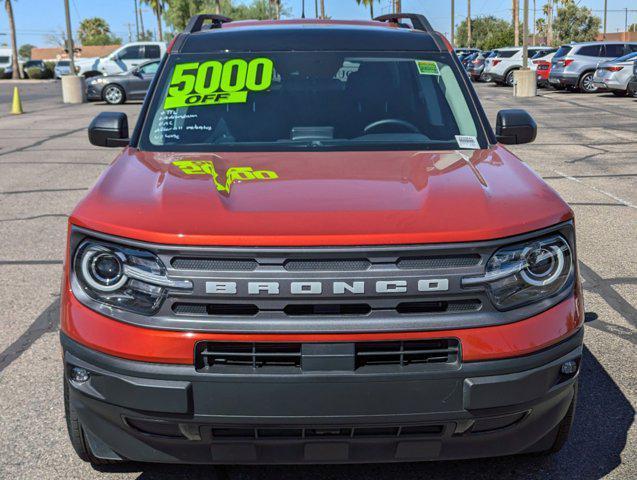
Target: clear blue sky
(36, 18)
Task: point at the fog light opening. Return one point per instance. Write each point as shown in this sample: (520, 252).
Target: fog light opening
(569, 368)
(79, 375)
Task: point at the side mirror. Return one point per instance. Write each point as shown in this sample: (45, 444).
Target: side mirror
(514, 127)
(109, 129)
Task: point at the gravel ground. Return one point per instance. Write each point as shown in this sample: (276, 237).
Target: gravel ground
(586, 149)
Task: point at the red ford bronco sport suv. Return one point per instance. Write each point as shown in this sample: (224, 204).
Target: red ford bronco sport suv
(314, 249)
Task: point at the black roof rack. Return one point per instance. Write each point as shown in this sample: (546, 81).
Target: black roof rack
(418, 22)
(198, 22)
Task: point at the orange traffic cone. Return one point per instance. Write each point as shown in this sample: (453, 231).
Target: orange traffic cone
(16, 109)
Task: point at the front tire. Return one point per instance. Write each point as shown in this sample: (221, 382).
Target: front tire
(509, 80)
(114, 95)
(586, 84)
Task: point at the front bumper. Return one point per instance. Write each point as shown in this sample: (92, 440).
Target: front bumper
(180, 415)
(94, 92)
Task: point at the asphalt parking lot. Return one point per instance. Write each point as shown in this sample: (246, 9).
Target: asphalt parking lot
(586, 149)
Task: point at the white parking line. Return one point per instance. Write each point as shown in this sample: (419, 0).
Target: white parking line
(598, 190)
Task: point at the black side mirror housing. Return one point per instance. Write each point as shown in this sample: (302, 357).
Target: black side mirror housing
(109, 129)
(515, 126)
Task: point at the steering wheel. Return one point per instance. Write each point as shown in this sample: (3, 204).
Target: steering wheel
(391, 121)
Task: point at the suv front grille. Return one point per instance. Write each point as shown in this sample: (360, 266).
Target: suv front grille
(250, 358)
(325, 309)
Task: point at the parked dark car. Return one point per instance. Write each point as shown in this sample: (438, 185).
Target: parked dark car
(37, 64)
(117, 89)
(466, 61)
(476, 66)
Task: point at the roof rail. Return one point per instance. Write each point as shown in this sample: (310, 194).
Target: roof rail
(197, 22)
(418, 22)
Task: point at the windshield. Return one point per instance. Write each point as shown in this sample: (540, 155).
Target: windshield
(563, 51)
(310, 100)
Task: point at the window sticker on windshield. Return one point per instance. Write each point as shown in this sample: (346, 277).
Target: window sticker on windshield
(213, 82)
(427, 67)
(467, 142)
(234, 174)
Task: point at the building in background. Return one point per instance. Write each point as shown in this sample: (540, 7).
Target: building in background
(57, 53)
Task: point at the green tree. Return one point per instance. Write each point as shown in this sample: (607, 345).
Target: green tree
(95, 31)
(157, 7)
(575, 23)
(632, 28)
(178, 12)
(25, 50)
(487, 33)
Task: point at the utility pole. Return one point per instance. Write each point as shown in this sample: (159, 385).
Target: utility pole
(322, 8)
(130, 33)
(136, 22)
(516, 22)
(141, 22)
(468, 23)
(626, 23)
(399, 7)
(525, 36)
(534, 24)
(605, 16)
(453, 23)
(315, 8)
(69, 37)
(549, 24)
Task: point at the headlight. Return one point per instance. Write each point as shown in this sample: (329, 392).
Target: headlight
(526, 273)
(124, 278)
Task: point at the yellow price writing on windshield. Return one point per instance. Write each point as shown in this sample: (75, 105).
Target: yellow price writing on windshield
(213, 82)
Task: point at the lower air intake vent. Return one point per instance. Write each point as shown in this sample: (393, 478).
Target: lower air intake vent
(226, 356)
(406, 353)
(251, 358)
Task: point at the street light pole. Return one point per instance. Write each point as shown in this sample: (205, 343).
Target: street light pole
(136, 21)
(469, 23)
(69, 37)
(453, 24)
(525, 36)
(605, 16)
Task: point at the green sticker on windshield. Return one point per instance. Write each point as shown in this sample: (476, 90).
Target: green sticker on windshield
(213, 82)
(426, 67)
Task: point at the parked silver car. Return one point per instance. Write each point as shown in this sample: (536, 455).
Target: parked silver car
(616, 74)
(574, 65)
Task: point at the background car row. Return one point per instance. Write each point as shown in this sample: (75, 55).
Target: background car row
(577, 67)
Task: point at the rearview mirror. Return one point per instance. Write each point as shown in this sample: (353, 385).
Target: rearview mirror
(514, 127)
(109, 129)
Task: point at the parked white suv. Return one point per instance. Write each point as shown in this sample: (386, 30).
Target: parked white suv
(500, 69)
(121, 60)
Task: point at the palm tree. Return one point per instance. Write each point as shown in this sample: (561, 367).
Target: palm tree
(15, 74)
(218, 7)
(277, 8)
(158, 8)
(322, 8)
(370, 3)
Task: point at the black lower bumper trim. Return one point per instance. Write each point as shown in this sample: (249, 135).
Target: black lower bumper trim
(172, 413)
